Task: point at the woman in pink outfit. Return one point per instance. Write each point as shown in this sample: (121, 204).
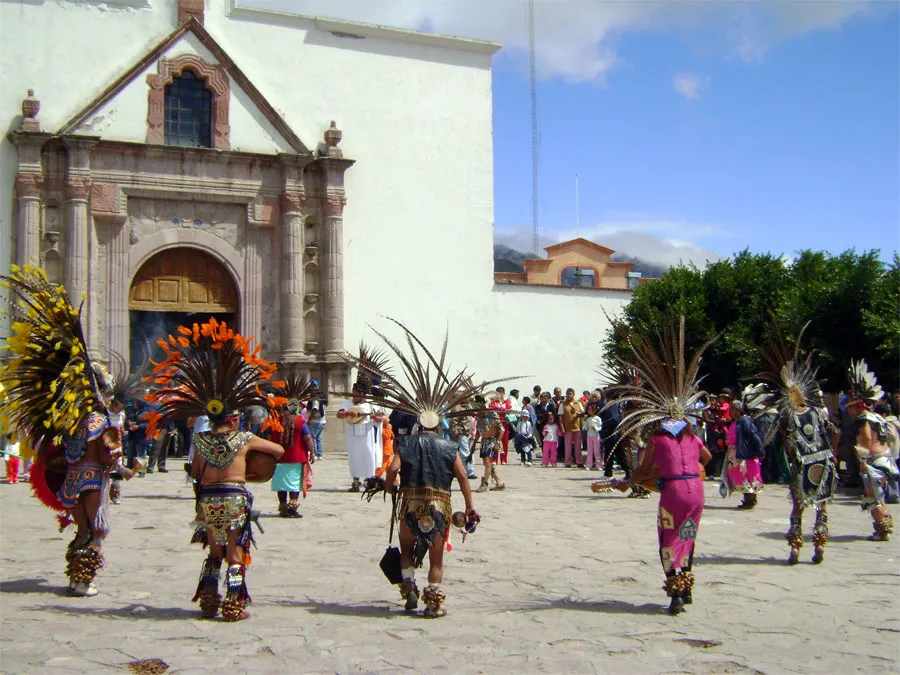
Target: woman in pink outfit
(676, 455)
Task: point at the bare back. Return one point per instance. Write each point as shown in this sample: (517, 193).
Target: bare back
(214, 449)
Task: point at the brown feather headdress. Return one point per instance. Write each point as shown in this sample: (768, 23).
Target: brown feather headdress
(432, 393)
(660, 384)
(294, 387)
(791, 379)
(210, 370)
(128, 386)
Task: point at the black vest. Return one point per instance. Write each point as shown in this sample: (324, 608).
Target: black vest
(426, 460)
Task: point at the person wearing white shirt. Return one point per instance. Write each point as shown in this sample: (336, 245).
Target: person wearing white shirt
(363, 436)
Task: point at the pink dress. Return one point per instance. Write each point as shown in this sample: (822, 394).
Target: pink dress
(681, 499)
(748, 479)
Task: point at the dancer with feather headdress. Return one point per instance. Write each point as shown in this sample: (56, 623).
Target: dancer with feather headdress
(58, 398)
(665, 393)
(211, 370)
(291, 476)
(426, 463)
(876, 462)
(801, 428)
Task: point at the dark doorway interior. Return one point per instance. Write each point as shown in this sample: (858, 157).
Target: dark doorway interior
(148, 327)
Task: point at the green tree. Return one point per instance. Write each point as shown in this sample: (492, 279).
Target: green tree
(851, 300)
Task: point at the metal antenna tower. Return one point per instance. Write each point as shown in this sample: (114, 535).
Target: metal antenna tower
(535, 138)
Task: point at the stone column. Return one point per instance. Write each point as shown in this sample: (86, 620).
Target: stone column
(77, 260)
(117, 289)
(28, 219)
(333, 262)
(251, 305)
(292, 276)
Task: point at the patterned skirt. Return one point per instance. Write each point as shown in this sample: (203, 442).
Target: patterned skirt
(680, 509)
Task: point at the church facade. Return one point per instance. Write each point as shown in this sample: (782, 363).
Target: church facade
(171, 160)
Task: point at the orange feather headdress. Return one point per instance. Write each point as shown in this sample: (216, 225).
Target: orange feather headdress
(210, 370)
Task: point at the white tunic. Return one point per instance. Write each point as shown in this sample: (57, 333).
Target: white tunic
(363, 443)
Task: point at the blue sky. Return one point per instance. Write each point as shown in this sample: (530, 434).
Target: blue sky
(696, 128)
(797, 150)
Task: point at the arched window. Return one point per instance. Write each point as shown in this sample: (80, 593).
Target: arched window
(578, 276)
(188, 105)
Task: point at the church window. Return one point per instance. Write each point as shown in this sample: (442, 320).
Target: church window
(188, 107)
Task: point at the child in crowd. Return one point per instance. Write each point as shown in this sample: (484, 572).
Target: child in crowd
(524, 439)
(11, 451)
(552, 433)
(594, 426)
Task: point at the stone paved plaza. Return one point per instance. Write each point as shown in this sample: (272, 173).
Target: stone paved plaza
(555, 580)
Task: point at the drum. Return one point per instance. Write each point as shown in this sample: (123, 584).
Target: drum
(260, 466)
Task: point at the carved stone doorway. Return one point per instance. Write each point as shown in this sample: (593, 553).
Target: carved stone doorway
(178, 286)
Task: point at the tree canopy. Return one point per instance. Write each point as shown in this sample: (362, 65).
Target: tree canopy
(851, 300)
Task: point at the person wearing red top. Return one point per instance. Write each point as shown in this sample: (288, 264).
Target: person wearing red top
(292, 470)
(503, 403)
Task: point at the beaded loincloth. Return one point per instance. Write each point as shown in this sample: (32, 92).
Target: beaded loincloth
(223, 508)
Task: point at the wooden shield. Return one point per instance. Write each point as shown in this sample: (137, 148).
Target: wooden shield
(260, 466)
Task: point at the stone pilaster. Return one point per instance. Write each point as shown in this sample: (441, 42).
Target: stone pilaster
(251, 311)
(28, 219)
(117, 277)
(29, 180)
(333, 260)
(292, 276)
(78, 232)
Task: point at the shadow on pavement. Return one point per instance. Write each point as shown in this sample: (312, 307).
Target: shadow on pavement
(133, 612)
(732, 560)
(179, 497)
(834, 538)
(341, 609)
(30, 586)
(606, 606)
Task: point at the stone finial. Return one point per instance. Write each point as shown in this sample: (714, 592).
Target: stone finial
(30, 108)
(190, 8)
(332, 137)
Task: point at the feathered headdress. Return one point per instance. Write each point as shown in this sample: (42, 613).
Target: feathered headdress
(295, 387)
(664, 388)
(432, 392)
(372, 365)
(210, 370)
(755, 399)
(128, 386)
(791, 380)
(863, 383)
(50, 381)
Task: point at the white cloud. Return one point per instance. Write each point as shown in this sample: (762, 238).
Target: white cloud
(690, 84)
(577, 39)
(663, 242)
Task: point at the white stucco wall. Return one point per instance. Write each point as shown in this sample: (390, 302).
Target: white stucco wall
(416, 118)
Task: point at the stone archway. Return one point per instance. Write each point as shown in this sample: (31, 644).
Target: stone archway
(177, 286)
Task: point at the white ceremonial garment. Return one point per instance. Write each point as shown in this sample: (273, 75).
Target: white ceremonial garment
(363, 451)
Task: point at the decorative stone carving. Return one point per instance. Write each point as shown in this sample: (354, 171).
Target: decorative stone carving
(333, 205)
(190, 8)
(78, 188)
(291, 202)
(30, 108)
(333, 137)
(29, 185)
(104, 200)
(216, 81)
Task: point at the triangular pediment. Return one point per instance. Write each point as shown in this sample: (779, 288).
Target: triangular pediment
(258, 126)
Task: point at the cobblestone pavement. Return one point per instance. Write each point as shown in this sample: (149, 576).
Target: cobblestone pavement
(555, 580)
